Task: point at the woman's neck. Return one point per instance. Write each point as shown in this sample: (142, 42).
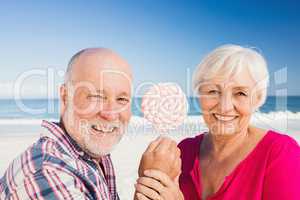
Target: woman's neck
(221, 146)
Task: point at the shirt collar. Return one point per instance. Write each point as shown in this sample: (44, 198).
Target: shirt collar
(58, 132)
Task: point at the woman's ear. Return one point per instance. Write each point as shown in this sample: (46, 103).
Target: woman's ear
(257, 100)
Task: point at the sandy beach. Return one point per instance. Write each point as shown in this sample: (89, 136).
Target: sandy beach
(17, 136)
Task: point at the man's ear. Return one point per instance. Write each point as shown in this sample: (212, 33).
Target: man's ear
(63, 98)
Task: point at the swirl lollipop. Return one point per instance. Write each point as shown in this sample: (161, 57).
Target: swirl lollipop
(165, 106)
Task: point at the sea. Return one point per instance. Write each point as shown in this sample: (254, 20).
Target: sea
(49, 108)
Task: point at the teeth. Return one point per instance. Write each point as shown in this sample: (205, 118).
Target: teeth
(103, 128)
(224, 118)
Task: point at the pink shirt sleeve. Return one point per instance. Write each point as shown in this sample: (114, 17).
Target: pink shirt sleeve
(282, 178)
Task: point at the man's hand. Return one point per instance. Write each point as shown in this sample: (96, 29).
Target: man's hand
(164, 155)
(157, 185)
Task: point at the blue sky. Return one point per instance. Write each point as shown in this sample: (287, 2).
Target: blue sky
(160, 39)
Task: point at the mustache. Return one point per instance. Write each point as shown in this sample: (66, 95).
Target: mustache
(101, 124)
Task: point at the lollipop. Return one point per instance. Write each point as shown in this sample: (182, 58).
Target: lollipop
(165, 106)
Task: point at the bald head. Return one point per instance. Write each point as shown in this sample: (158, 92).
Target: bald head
(93, 60)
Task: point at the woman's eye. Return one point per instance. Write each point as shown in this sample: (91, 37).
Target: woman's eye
(123, 100)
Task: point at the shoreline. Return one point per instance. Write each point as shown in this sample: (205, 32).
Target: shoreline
(15, 137)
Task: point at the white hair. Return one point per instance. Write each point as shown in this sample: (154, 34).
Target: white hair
(227, 61)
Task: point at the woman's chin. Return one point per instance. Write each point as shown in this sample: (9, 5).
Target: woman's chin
(223, 130)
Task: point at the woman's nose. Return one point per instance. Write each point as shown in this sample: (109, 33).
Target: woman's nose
(226, 103)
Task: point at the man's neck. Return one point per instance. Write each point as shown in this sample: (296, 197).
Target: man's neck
(61, 125)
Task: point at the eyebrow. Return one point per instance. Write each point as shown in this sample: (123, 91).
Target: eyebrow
(121, 94)
(245, 88)
(208, 86)
(241, 88)
(124, 94)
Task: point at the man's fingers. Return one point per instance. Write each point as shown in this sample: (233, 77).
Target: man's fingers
(148, 192)
(140, 196)
(151, 183)
(160, 176)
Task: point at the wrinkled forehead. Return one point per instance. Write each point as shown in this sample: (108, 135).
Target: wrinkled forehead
(243, 79)
(111, 78)
(107, 80)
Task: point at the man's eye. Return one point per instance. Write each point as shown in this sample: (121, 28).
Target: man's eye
(95, 96)
(241, 94)
(213, 92)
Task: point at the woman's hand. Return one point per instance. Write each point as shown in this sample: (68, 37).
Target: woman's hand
(157, 185)
(162, 154)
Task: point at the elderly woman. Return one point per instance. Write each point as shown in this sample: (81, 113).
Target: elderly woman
(233, 160)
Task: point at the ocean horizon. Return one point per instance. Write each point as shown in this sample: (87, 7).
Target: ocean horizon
(42, 108)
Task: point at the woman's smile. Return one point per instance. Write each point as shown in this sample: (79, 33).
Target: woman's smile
(225, 118)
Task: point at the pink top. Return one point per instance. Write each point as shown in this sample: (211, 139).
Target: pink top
(270, 171)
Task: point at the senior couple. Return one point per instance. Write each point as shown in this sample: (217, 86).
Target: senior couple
(233, 160)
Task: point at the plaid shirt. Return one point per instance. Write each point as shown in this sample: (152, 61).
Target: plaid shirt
(55, 167)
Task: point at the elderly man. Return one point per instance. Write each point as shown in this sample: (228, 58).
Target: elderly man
(71, 160)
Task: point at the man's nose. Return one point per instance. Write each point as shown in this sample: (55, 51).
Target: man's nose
(110, 111)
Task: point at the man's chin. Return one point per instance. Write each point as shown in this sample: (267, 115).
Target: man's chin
(98, 154)
(98, 151)
(101, 147)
